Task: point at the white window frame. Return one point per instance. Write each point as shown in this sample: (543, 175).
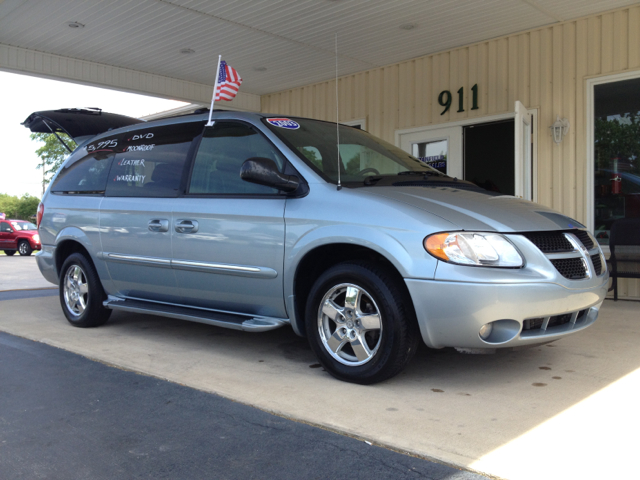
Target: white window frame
(591, 161)
(360, 122)
(533, 111)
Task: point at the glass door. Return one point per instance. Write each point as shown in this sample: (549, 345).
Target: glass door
(616, 154)
(439, 147)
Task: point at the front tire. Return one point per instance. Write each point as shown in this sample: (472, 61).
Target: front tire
(361, 323)
(9, 253)
(24, 248)
(81, 293)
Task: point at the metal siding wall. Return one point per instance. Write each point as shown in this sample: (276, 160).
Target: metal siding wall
(544, 68)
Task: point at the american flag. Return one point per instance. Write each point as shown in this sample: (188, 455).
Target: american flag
(228, 82)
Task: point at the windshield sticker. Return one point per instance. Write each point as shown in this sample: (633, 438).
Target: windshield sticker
(283, 123)
(140, 148)
(147, 136)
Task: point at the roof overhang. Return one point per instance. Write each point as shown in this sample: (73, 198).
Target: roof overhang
(169, 48)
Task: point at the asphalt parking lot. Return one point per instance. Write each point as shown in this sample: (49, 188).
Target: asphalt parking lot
(564, 410)
(75, 418)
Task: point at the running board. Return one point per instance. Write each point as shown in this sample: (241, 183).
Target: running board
(247, 323)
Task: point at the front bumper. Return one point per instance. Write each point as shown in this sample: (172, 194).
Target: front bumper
(450, 314)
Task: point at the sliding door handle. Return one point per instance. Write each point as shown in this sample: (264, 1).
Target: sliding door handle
(157, 225)
(186, 226)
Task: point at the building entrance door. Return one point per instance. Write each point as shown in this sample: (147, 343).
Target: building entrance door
(496, 154)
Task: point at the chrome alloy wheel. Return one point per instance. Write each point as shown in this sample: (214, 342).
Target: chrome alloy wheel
(23, 248)
(349, 324)
(76, 290)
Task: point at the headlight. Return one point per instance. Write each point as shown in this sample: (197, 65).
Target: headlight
(465, 248)
(36, 238)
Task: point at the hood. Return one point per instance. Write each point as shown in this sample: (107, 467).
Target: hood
(76, 122)
(471, 210)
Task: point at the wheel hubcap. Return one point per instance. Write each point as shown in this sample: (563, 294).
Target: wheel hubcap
(75, 290)
(23, 248)
(349, 324)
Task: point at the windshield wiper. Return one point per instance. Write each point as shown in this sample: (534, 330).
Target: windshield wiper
(423, 174)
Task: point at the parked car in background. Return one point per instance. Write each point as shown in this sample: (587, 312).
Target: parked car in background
(259, 222)
(19, 236)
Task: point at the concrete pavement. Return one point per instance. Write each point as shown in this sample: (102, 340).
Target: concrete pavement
(564, 410)
(561, 411)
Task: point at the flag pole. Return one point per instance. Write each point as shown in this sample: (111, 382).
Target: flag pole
(215, 87)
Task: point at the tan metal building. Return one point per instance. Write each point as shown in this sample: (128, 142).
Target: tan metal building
(577, 70)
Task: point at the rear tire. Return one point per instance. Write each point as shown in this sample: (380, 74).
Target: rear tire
(9, 253)
(24, 248)
(81, 293)
(361, 323)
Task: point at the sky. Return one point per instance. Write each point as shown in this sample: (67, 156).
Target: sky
(22, 95)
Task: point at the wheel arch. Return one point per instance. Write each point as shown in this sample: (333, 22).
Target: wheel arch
(72, 240)
(322, 257)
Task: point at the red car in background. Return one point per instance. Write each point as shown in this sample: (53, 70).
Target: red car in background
(20, 236)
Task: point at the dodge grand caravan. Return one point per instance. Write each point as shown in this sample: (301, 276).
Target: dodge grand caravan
(259, 222)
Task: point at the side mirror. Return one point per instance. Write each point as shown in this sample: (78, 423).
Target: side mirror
(264, 171)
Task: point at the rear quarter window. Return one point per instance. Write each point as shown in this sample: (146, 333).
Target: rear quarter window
(87, 170)
(87, 175)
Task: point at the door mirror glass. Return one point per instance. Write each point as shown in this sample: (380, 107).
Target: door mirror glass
(264, 171)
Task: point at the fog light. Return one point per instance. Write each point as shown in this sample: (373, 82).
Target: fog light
(485, 331)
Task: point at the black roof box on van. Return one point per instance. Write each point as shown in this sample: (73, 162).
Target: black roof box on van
(77, 122)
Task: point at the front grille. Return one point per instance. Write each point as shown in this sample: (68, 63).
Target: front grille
(550, 242)
(597, 264)
(532, 323)
(558, 320)
(554, 321)
(584, 238)
(571, 268)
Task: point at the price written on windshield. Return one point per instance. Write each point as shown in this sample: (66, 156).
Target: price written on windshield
(445, 98)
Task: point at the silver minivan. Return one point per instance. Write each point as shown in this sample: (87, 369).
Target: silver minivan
(258, 222)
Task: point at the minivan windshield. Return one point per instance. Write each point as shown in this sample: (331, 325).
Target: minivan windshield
(362, 155)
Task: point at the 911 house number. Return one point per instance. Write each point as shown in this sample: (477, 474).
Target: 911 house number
(444, 99)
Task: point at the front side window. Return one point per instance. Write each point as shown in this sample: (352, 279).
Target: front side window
(360, 154)
(5, 228)
(223, 150)
(150, 162)
(617, 154)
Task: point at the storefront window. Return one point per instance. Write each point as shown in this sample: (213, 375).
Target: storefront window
(617, 154)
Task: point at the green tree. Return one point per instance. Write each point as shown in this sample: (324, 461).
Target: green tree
(52, 153)
(618, 138)
(19, 208)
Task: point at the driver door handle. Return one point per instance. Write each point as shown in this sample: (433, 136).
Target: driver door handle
(186, 226)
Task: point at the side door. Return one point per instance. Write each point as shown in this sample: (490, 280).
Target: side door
(135, 215)
(228, 234)
(6, 237)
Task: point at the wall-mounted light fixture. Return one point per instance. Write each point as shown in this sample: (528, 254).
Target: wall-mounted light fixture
(559, 129)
